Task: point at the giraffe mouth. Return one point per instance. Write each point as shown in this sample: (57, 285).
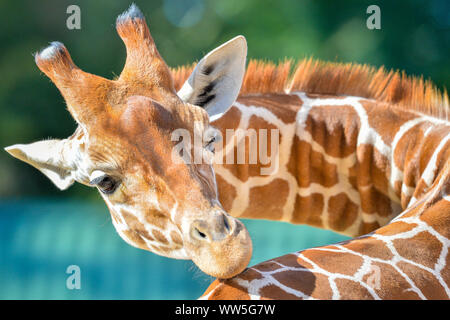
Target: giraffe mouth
(222, 248)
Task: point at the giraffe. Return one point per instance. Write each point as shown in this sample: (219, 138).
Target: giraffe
(123, 146)
(340, 165)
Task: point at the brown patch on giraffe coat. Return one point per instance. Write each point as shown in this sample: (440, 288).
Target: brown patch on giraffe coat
(229, 120)
(322, 289)
(424, 281)
(283, 106)
(414, 152)
(289, 260)
(226, 290)
(367, 227)
(176, 238)
(273, 292)
(438, 216)
(410, 162)
(156, 219)
(308, 166)
(375, 202)
(308, 210)
(370, 176)
(250, 274)
(396, 227)
(342, 212)
(335, 262)
(335, 128)
(135, 225)
(311, 284)
(391, 283)
(430, 145)
(164, 249)
(262, 202)
(408, 151)
(423, 248)
(352, 290)
(267, 266)
(377, 113)
(371, 247)
(135, 238)
(440, 161)
(159, 236)
(373, 168)
(427, 151)
(227, 193)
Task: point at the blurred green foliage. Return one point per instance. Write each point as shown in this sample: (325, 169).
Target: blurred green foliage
(414, 37)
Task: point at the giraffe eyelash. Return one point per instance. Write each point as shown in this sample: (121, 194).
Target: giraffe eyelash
(105, 184)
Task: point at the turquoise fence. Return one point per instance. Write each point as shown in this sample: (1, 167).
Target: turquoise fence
(40, 239)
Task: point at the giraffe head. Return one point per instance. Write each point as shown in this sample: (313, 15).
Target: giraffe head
(124, 144)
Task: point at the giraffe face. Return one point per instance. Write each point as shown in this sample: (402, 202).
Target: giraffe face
(158, 199)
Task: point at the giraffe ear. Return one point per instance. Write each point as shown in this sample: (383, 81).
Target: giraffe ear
(216, 80)
(47, 157)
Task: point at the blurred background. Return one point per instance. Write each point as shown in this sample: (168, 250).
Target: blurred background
(43, 230)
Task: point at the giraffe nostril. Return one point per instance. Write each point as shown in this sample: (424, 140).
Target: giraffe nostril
(199, 231)
(217, 228)
(200, 234)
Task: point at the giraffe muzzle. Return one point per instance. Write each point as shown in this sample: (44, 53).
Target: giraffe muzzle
(219, 245)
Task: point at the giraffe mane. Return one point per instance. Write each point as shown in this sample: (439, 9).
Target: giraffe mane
(318, 77)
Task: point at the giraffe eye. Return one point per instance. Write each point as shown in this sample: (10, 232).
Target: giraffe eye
(105, 184)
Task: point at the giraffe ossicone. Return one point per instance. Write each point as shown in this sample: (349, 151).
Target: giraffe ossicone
(123, 147)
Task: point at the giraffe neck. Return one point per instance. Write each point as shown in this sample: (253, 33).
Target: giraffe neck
(346, 164)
